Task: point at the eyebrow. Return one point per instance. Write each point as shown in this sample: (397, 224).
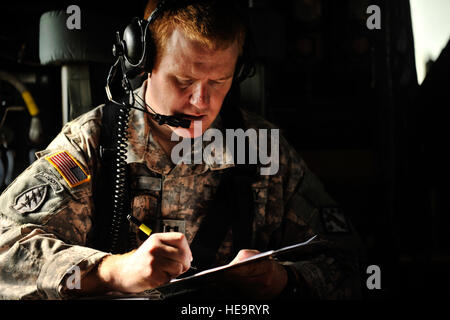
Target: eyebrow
(225, 78)
(184, 76)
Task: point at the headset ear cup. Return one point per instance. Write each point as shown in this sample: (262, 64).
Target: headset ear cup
(239, 70)
(245, 66)
(133, 44)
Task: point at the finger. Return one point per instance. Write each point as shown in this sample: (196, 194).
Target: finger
(178, 240)
(172, 253)
(171, 267)
(244, 254)
(175, 240)
(159, 278)
(251, 270)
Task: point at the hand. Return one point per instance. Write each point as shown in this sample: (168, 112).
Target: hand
(161, 257)
(263, 279)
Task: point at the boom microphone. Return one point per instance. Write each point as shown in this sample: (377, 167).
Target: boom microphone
(173, 121)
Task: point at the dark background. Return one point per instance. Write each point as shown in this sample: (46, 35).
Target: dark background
(346, 98)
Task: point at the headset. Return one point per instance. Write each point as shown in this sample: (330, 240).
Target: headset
(138, 48)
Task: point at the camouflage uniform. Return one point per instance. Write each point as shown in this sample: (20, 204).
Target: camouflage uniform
(47, 222)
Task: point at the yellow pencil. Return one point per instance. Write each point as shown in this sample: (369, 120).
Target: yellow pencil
(140, 225)
(144, 228)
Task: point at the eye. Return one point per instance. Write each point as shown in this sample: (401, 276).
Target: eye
(184, 82)
(217, 82)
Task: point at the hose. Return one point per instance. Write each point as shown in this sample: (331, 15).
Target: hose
(35, 134)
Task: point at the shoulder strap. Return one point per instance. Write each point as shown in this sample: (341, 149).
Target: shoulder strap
(233, 205)
(242, 177)
(214, 226)
(243, 211)
(232, 208)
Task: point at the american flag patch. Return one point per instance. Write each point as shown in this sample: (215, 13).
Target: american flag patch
(69, 168)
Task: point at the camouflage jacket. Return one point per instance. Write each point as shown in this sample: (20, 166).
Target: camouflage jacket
(47, 213)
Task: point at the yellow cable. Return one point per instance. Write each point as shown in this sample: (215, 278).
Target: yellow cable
(31, 105)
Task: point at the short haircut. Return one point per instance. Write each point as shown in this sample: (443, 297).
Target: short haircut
(215, 24)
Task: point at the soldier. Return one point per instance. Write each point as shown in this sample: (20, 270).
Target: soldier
(49, 214)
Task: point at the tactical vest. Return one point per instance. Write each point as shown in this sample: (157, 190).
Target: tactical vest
(234, 195)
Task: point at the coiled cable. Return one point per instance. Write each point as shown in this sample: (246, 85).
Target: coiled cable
(120, 194)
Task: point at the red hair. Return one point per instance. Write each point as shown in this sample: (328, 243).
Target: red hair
(215, 24)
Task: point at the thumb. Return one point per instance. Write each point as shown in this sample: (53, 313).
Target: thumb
(244, 254)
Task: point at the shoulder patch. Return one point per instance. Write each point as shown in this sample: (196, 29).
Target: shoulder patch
(31, 199)
(334, 220)
(69, 168)
(51, 179)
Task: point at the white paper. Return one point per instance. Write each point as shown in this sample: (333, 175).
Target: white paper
(255, 257)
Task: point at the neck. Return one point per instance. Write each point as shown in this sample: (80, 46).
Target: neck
(162, 136)
(161, 133)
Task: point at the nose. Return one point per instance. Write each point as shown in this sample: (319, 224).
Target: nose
(200, 96)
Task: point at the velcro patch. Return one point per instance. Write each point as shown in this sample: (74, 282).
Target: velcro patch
(31, 199)
(51, 179)
(69, 168)
(334, 220)
(170, 225)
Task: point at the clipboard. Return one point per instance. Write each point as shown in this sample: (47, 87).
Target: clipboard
(180, 287)
(189, 284)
